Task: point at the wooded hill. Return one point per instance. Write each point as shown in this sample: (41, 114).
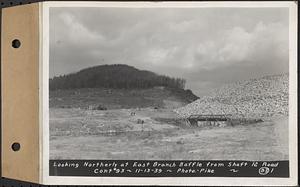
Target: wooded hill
(117, 76)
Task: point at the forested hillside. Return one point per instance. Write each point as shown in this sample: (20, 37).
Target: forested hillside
(117, 76)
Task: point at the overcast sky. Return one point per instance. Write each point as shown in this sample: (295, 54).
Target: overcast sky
(206, 46)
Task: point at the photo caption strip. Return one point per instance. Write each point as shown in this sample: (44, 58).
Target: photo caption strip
(177, 168)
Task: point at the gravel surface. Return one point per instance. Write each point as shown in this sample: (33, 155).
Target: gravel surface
(256, 98)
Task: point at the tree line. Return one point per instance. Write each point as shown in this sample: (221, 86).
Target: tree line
(114, 76)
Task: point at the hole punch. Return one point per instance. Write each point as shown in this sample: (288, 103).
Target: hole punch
(16, 43)
(16, 146)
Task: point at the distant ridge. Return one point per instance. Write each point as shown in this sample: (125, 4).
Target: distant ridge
(114, 76)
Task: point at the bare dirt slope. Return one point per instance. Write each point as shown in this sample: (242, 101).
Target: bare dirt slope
(159, 97)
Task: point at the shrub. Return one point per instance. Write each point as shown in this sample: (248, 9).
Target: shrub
(100, 107)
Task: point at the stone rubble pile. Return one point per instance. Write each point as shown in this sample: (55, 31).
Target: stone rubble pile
(255, 98)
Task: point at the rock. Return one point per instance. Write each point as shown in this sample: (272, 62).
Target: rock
(255, 98)
(180, 141)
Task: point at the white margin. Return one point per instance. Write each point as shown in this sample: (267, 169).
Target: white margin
(41, 145)
(207, 181)
(44, 83)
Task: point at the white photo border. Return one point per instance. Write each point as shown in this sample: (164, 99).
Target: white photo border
(208, 181)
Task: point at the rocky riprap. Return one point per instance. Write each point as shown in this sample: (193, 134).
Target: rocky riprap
(255, 98)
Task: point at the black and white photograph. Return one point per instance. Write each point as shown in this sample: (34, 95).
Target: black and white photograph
(169, 83)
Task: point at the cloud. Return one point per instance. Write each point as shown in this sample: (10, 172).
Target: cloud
(188, 43)
(77, 33)
(266, 42)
